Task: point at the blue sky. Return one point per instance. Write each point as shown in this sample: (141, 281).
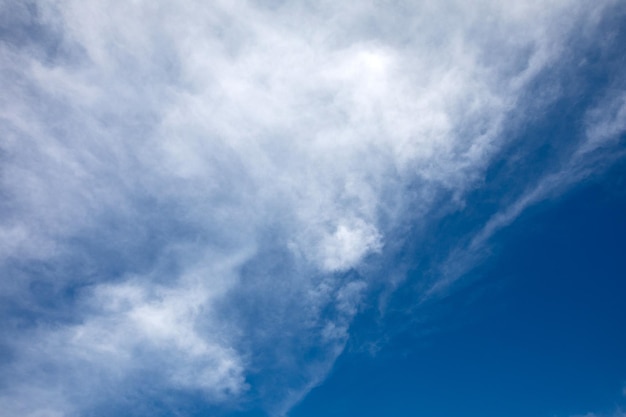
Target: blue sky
(268, 209)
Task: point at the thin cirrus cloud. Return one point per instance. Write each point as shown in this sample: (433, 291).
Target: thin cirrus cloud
(196, 195)
(604, 124)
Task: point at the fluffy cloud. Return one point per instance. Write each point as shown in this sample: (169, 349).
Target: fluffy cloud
(192, 193)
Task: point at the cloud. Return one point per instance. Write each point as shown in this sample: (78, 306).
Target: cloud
(595, 148)
(194, 195)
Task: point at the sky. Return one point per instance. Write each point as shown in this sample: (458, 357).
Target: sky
(299, 209)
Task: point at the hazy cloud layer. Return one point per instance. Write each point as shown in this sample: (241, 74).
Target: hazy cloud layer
(197, 194)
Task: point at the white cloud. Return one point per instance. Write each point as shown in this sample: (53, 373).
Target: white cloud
(606, 123)
(164, 158)
(594, 151)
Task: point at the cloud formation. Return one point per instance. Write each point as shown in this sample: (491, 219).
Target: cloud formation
(197, 195)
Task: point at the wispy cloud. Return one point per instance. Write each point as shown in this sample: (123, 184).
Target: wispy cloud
(592, 149)
(192, 193)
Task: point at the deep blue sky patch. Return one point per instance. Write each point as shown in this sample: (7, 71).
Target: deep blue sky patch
(542, 330)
